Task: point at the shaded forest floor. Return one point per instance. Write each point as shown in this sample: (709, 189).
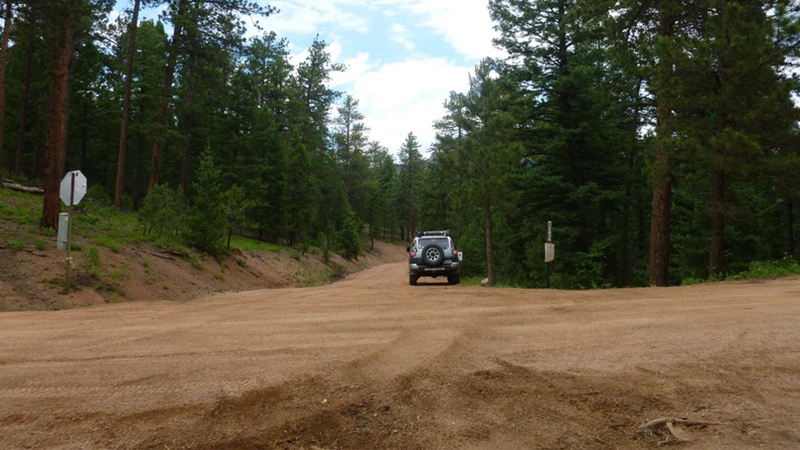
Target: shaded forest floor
(114, 262)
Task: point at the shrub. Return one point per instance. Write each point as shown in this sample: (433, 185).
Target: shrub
(98, 194)
(337, 272)
(91, 262)
(116, 279)
(350, 237)
(127, 203)
(162, 211)
(326, 255)
(16, 245)
(769, 269)
(40, 245)
(149, 276)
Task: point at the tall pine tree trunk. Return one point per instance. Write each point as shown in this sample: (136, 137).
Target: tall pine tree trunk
(26, 88)
(55, 150)
(126, 107)
(163, 108)
(624, 277)
(189, 116)
(718, 158)
(3, 65)
(662, 166)
(790, 223)
(717, 222)
(487, 218)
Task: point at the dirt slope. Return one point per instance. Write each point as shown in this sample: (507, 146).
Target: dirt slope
(373, 363)
(33, 279)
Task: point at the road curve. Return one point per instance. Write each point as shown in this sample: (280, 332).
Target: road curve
(371, 362)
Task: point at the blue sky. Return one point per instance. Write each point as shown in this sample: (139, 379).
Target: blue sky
(403, 56)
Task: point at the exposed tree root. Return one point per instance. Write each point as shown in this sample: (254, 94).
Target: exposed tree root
(158, 255)
(663, 430)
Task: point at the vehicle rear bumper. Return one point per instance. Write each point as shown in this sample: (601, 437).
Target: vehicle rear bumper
(423, 271)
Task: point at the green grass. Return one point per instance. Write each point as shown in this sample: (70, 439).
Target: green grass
(19, 207)
(101, 224)
(115, 280)
(337, 272)
(253, 245)
(16, 245)
(471, 281)
(149, 276)
(40, 245)
(91, 262)
(769, 269)
(94, 222)
(108, 242)
(757, 270)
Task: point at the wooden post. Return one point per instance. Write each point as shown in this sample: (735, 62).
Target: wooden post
(549, 263)
(68, 284)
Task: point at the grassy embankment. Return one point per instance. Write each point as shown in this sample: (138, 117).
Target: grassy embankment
(99, 226)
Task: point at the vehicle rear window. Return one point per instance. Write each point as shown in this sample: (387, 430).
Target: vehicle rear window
(441, 242)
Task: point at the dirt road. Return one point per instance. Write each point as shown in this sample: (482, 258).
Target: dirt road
(374, 363)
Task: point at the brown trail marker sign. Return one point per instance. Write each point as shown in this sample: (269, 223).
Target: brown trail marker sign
(549, 251)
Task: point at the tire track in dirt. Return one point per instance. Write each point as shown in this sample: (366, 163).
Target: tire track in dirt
(373, 363)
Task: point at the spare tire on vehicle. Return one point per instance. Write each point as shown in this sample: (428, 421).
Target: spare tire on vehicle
(433, 255)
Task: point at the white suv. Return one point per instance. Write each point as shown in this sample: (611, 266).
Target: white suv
(434, 254)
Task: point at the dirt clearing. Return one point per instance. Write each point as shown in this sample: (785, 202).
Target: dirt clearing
(374, 363)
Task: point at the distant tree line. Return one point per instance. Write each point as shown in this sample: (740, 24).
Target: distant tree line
(660, 136)
(208, 123)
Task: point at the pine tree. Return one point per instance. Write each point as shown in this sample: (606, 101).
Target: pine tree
(206, 222)
(483, 153)
(746, 84)
(126, 105)
(236, 205)
(350, 236)
(411, 166)
(3, 70)
(350, 138)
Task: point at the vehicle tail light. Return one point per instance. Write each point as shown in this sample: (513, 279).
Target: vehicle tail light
(455, 252)
(413, 253)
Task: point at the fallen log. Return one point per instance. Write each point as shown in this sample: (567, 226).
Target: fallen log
(21, 188)
(170, 258)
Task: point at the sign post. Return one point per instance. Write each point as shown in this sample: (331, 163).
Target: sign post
(73, 188)
(549, 251)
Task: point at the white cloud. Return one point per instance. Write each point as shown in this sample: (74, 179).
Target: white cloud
(308, 16)
(114, 15)
(464, 24)
(356, 68)
(407, 96)
(400, 34)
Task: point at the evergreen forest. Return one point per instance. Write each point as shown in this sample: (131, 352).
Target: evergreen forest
(659, 136)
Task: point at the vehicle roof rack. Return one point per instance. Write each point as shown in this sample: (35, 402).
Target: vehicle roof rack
(433, 233)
